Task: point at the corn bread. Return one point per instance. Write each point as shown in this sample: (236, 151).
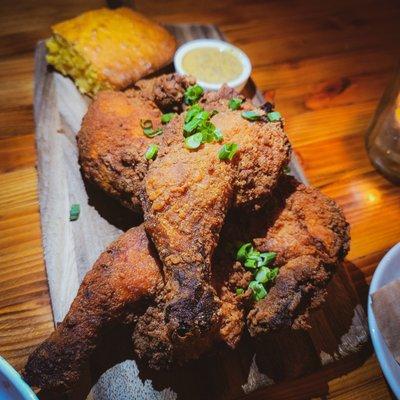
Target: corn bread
(108, 49)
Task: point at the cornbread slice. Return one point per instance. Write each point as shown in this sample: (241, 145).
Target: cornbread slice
(108, 49)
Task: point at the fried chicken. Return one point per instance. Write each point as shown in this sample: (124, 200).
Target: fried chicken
(111, 141)
(306, 230)
(184, 207)
(310, 235)
(186, 197)
(115, 291)
(120, 286)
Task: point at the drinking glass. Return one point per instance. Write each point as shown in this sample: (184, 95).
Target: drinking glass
(383, 136)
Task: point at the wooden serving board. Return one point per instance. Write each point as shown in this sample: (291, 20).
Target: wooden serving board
(339, 328)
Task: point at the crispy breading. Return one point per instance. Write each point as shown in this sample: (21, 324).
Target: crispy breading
(120, 284)
(310, 235)
(186, 197)
(111, 141)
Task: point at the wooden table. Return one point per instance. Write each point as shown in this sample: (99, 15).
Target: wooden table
(325, 63)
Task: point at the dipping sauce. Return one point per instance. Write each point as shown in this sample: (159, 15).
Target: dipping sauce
(211, 65)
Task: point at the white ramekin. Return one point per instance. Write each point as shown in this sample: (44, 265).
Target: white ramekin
(237, 83)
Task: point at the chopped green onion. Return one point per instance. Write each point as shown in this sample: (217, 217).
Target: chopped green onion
(259, 291)
(196, 121)
(192, 111)
(151, 152)
(274, 116)
(287, 170)
(258, 263)
(239, 291)
(193, 94)
(148, 130)
(194, 141)
(251, 115)
(165, 118)
(235, 103)
(227, 151)
(74, 212)
(250, 263)
(266, 258)
(243, 251)
(262, 275)
(218, 135)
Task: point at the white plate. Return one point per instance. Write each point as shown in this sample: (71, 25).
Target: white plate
(388, 270)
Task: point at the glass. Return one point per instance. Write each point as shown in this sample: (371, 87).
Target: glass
(383, 136)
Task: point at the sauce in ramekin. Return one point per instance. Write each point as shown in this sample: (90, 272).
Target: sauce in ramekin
(211, 65)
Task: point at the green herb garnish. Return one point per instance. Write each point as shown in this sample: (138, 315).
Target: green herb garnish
(251, 115)
(259, 291)
(74, 212)
(194, 141)
(165, 118)
(197, 124)
(227, 151)
(235, 103)
(258, 263)
(151, 152)
(287, 170)
(193, 94)
(148, 130)
(243, 252)
(274, 116)
(239, 291)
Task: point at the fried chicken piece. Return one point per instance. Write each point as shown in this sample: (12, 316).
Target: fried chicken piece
(186, 197)
(114, 292)
(111, 141)
(185, 207)
(310, 235)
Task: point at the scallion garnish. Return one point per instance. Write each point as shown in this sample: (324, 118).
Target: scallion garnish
(148, 130)
(194, 141)
(259, 291)
(151, 152)
(251, 115)
(235, 103)
(239, 291)
(227, 151)
(165, 118)
(193, 94)
(74, 212)
(287, 170)
(258, 263)
(274, 116)
(244, 251)
(197, 124)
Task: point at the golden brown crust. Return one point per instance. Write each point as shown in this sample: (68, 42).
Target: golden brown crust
(111, 141)
(123, 278)
(122, 45)
(310, 235)
(112, 145)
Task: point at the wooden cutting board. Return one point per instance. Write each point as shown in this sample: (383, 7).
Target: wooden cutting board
(339, 327)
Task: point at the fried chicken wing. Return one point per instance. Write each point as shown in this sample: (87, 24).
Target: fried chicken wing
(310, 235)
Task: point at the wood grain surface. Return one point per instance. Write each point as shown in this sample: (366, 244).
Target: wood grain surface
(325, 63)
